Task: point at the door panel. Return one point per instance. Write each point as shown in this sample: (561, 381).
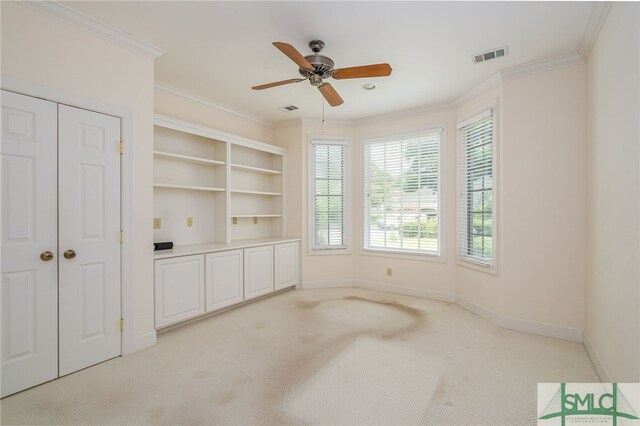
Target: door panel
(179, 289)
(89, 200)
(286, 265)
(29, 319)
(258, 271)
(224, 279)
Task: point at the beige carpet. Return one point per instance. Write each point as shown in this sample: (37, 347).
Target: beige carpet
(317, 357)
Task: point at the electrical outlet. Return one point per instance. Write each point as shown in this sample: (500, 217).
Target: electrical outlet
(389, 272)
(157, 223)
(189, 222)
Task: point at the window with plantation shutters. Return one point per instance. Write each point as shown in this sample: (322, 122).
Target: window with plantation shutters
(476, 203)
(402, 193)
(328, 201)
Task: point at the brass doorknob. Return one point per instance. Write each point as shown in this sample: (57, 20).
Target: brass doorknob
(46, 256)
(69, 254)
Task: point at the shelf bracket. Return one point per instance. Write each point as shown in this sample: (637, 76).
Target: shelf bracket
(234, 220)
(255, 220)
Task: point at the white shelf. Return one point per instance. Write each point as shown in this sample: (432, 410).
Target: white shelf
(187, 159)
(255, 169)
(189, 188)
(242, 191)
(256, 215)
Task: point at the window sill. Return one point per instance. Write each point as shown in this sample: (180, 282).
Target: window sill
(328, 252)
(422, 257)
(477, 266)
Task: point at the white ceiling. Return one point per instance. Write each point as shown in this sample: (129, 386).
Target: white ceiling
(218, 50)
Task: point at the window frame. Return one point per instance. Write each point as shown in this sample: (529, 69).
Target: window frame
(467, 261)
(313, 250)
(439, 257)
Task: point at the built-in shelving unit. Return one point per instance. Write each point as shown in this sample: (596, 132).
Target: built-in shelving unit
(230, 187)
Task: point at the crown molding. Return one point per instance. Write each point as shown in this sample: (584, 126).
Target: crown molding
(73, 17)
(201, 100)
(596, 21)
(317, 121)
(288, 123)
(494, 79)
(541, 66)
(429, 109)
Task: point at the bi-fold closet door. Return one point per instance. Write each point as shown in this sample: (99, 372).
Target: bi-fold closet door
(60, 240)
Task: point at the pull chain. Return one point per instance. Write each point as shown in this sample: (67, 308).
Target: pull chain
(323, 111)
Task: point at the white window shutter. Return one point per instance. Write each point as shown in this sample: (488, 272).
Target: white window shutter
(476, 178)
(328, 162)
(402, 194)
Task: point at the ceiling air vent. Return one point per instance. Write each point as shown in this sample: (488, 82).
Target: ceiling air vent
(288, 108)
(491, 54)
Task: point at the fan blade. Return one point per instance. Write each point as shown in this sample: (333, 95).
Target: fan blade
(293, 54)
(376, 70)
(330, 94)
(278, 83)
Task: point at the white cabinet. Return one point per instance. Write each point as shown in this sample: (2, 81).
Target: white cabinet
(224, 275)
(192, 280)
(258, 271)
(285, 265)
(179, 284)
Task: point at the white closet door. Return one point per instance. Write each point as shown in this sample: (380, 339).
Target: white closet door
(89, 237)
(29, 229)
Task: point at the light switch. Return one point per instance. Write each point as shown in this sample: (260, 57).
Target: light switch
(157, 223)
(189, 222)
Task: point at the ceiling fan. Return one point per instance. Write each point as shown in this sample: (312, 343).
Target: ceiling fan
(316, 68)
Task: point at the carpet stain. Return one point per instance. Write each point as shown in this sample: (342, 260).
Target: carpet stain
(307, 339)
(439, 391)
(202, 374)
(306, 363)
(304, 304)
(226, 398)
(155, 414)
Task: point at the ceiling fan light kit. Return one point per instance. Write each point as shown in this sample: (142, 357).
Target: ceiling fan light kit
(316, 68)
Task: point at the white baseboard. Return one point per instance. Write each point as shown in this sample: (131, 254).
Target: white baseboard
(406, 291)
(596, 360)
(145, 341)
(535, 327)
(341, 282)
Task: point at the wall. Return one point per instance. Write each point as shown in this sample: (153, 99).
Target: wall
(317, 270)
(43, 50)
(193, 112)
(429, 277)
(613, 232)
(541, 194)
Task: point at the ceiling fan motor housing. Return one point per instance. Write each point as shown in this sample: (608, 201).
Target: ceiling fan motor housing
(322, 66)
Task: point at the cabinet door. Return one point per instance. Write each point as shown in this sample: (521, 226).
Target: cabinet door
(224, 279)
(258, 271)
(286, 265)
(179, 284)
